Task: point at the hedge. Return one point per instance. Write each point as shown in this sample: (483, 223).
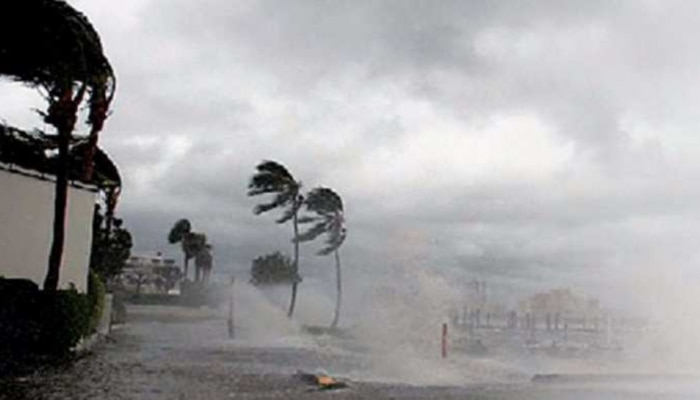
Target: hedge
(96, 299)
(33, 322)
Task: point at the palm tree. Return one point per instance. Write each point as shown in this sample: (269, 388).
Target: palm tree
(203, 261)
(181, 233)
(192, 243)
(329, 219)
(49, 45)
(273, 178)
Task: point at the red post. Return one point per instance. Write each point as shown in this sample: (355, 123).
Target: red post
(444, 340)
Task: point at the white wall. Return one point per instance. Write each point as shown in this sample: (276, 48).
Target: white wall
(26, 220)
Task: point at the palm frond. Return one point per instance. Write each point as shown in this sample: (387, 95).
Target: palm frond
(312, 233)
(270, 177)
(193, 243)
(49, 43)
(267, 183)
(327, 205)
(274, 168)
(280, 200)
(263, 208)
(307, 219)
(334, 241)
(324, 201)
(273, 178)
(327, 250)
(292, 209)
(287, 215)
(179, 230)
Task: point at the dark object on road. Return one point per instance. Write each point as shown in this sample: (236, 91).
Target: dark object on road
(321, 381)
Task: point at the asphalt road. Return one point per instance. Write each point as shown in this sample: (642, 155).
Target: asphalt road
(178, 353)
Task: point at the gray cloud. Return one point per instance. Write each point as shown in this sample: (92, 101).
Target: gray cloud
(511, 140)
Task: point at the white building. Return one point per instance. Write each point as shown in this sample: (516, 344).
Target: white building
(27, 190)
(150, 273)
(26, 223)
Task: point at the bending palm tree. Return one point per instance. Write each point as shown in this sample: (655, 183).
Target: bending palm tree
(49, 45)
(273, 178)
(191, 242)
(329, 220)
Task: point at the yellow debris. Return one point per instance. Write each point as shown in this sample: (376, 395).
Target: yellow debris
(324, 380)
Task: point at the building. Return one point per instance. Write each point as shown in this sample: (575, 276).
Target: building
(560, 306)
(150, 274)
(26, 209)
(26, 220)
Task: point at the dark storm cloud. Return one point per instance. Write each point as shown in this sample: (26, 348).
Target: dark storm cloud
(411, 34)
(511, 139)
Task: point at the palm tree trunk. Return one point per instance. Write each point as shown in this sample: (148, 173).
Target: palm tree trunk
(59, 219)
(296, 265)
(339, 292)
(186, 263)
(111, 200)
(62, 114)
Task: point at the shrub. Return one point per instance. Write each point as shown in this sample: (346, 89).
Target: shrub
(273, 269)
(96, 300)
(33, 322)
(65, 318)
(19, 325)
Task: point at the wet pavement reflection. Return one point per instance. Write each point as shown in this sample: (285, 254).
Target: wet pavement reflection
(177, 353)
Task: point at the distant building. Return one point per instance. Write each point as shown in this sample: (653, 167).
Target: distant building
(562, 301)
(150, 274)
(148, 262)
(558, 306)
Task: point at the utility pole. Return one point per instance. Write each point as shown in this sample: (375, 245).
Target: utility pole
(230, 309)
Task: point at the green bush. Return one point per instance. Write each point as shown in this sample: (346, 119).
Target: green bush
(19, 325)
(96, 300)
(33, 322)
(273, 269)
(64, 319)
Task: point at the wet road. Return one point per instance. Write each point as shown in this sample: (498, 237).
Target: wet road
(177, 353)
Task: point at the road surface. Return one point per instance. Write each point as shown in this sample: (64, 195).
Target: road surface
(178, 353)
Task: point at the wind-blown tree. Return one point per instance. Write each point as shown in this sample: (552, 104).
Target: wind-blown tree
(203, 261)
(194, 244)
(328, 218)
(49, 45)
(190, 242)
(272, 269)
(178, 234)
(273, 178)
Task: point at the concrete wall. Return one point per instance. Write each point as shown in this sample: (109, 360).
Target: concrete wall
(26, 220)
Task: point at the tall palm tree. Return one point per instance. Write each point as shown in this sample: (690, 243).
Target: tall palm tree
(182, 233)
(273, 178)
(193, 244)
(203, 261)
(49, 45)
(329, 219)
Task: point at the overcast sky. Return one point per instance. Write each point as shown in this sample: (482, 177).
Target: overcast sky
(530, 144)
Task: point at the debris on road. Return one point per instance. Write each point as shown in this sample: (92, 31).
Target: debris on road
(321, 381)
